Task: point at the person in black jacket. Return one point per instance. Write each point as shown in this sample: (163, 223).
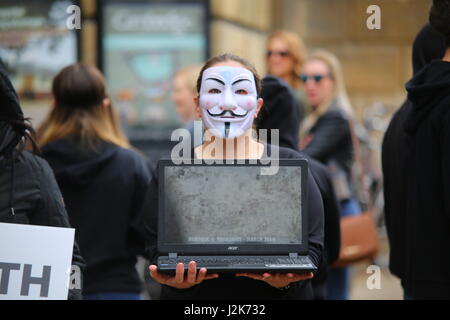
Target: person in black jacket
(396, 155)
(326, 132)
(102, 180)
(327, 137)
(215, 79)
(280, 112)
(332, 229)
(427, 273)
(29, 193)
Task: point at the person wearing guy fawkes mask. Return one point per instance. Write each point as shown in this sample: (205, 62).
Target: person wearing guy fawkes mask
(29, 193)
(228, 103)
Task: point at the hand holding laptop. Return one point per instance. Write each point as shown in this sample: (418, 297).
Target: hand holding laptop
(278, 280)
(179, 281)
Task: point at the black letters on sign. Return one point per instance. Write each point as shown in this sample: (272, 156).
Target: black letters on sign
(27, 279)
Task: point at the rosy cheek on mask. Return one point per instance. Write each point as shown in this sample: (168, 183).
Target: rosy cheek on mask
(208, 103)
(251, 104)
(248, 103)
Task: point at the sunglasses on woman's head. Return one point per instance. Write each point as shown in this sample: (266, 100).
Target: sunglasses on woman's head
(278, 53)
(317, 78)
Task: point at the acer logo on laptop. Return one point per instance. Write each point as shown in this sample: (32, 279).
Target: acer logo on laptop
(233, 248)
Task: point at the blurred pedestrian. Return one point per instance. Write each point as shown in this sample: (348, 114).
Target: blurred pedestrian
(396, 155)
(428, 125)
(286, 55)
(102, 180)
(327, 137)
(242, 105)
(29, 193)
(280, 111)
(183, 95)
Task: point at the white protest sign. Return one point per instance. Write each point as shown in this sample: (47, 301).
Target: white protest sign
(35, 262)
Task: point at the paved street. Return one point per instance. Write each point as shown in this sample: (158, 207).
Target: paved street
(390, 285)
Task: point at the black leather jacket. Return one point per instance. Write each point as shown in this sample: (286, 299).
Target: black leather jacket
(332, 140)
(34, 194)
(29, 193)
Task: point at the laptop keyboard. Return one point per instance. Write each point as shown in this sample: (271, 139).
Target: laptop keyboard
(243, 260)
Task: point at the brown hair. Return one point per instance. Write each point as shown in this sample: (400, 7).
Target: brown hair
(25, 137)
(296, 49)
(79, 91)
(226, 58)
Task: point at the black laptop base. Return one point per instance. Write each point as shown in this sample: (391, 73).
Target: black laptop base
(240, 264)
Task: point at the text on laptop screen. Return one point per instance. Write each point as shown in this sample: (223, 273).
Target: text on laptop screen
(232, 204)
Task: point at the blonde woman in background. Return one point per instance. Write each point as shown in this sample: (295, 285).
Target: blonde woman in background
(103, 182)
(286, 55)
(184, 91)
(326, 136)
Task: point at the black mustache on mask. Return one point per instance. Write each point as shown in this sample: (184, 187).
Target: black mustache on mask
(231, 112)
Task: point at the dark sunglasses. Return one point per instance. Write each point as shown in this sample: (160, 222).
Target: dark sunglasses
(317, 78)
(283, 54)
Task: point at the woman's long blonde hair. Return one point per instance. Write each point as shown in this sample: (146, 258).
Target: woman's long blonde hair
(339, 94)
(80, 111)
(296, 49)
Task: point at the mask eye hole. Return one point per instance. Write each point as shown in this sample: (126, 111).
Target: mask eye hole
(214, 91)
(242, 92)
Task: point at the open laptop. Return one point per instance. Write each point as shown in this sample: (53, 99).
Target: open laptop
(231, 218)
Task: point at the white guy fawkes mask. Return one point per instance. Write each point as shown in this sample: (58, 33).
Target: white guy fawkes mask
(228, 101)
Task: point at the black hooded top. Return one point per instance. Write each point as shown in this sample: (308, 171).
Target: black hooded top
(425, 189)
(9, 111)
(29, 193)
(428, 45)
(10, 107)
(428, 124)
(280, 111)
(104, 191)
(396, 154)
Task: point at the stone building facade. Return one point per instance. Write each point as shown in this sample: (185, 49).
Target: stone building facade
(376, 63)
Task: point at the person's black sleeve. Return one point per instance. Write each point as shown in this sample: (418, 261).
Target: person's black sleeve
(332, 214)
(445, 164)
(331, 131)
(137, 232)
(52, 212)
(315, 222)
(388, 170)
(315, 210)
(281, 112)
(151, 219)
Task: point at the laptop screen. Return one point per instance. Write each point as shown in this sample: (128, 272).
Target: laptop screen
(232, 205)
